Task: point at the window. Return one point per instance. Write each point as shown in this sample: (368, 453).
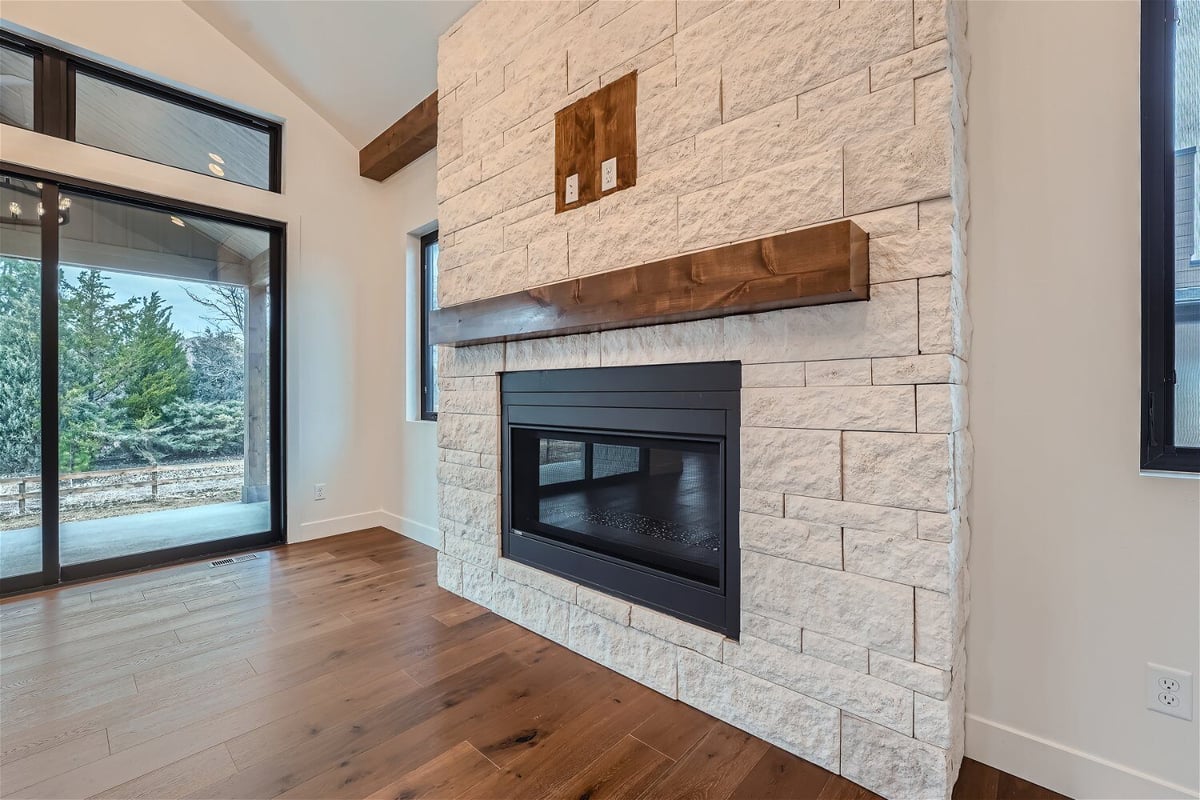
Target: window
(68, 97)
(1170, 284)
(429, 387)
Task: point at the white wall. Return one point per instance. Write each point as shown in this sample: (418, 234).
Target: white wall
(340, 244)
(1082, 570)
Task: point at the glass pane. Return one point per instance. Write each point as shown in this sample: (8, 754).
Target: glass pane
(164, 379)
(1187, 218)
(652, 501)
(431, 355)
(16, 88)
(20, 376)
(127, 121)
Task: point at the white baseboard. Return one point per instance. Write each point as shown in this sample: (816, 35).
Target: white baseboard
(1061, 768)
(417, 531)
(333, 526)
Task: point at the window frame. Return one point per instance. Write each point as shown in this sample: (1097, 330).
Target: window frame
(54, 101)
(1158, 450)
(428, 376)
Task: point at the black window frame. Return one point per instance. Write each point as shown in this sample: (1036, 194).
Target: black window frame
(428, 374)
(1158, 449)
(54, 101)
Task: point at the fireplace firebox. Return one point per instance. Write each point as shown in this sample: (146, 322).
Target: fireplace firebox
(625, 479)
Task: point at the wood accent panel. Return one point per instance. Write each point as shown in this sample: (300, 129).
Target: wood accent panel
(590, 131)
(409, 138)
(335, 630)
(825, 264)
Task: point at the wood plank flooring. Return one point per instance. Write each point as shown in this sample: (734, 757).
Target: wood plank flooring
(338, 669)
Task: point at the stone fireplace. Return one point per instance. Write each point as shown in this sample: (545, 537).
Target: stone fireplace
(852, 454)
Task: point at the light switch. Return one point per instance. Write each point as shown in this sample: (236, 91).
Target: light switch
(608, 175)
(571, 193)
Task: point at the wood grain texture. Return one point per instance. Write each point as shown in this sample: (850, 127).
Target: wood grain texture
(417, 693)
(590, 131)
(409, 138)
(813, 266)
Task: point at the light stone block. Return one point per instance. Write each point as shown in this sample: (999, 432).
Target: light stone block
(916, 254)
(897, 765)
(633, 31)
(559, 352)
(788, 196)
(483, 359)
(935, 368)
(798, 724)
(920, 678)
(449, 573)
(822, 680)
(944, 326)
(473, 432)
(778, 633)
(932, 721)
(538, 144)
(464, 457)
(937, 631)
(689, 12)
(469, 552)
(477, 585)
(472, 205)
(763, 375)
(489, 461)
(936, 213)
(860, 408)
(607, 606)
(476, 509)
(544, 615)
(938, 527)
(481, 480)
(537, 579)
(897, 557)
(464, 401)
(929, 21)
(548, 258)
(633, 653)
(792, 461)
(933, 97)
(885, 326)
(906, 470)
(663, 344)
(941, 408)
(670, 116)
(792, 539)
(851, 515)
(889, 221)
(850, 372)
(636, 225)
(835, 651)
(909, 66)
(855, 608)
(676, 631)
(769, 503)
(488, 536)
(528, 180)
(898, 167)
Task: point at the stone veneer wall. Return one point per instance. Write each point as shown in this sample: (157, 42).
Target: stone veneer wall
(754, 118)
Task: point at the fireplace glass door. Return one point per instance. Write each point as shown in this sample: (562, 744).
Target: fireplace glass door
(657, 502)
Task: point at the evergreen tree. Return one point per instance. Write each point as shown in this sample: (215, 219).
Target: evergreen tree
(156, 366)
(20, 366)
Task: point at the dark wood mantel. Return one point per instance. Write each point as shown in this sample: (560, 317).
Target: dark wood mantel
(825, 264)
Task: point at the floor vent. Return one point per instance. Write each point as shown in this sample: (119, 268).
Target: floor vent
(247, 557)
(221, 562)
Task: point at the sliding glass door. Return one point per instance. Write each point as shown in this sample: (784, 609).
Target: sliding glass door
(165, 343)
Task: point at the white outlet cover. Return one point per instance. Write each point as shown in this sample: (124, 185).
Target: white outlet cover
(571, 193)
(608, 174)
(1169, 691)
(318, 491)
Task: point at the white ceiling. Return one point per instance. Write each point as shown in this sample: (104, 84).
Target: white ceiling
(361, 64)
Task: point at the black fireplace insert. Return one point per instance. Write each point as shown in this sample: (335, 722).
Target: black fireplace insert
(625, 479)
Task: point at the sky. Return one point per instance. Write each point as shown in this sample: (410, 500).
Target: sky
(185, 312)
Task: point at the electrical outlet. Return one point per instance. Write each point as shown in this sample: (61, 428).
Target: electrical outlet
(571, 193)
(608, 175)
(318, 491)
(1169, 691)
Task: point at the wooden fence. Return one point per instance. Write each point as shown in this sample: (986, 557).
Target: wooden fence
(152, 476)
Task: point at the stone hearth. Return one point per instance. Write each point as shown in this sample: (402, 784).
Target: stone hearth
(753, 119)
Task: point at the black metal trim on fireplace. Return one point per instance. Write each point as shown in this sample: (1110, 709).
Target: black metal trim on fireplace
(643, 402)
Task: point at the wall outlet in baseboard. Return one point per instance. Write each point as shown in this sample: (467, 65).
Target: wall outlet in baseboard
(318, 491)
(1169, 691)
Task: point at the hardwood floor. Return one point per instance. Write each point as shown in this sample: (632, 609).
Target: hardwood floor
(338, 668)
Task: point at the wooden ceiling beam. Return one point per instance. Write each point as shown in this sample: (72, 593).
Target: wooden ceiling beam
(409, 138)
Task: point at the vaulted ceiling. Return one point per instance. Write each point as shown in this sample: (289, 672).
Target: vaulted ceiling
(361, 64)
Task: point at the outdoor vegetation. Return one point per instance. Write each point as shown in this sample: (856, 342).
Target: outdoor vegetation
(134, 389)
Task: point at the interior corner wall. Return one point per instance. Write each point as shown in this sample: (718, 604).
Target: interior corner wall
(338, 251)
(409, 476)
(1082, 569)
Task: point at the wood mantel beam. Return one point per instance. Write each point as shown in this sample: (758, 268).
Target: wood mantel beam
(824, 264)
(409, 138)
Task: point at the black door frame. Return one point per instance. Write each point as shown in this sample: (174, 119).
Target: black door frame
(53, 572)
